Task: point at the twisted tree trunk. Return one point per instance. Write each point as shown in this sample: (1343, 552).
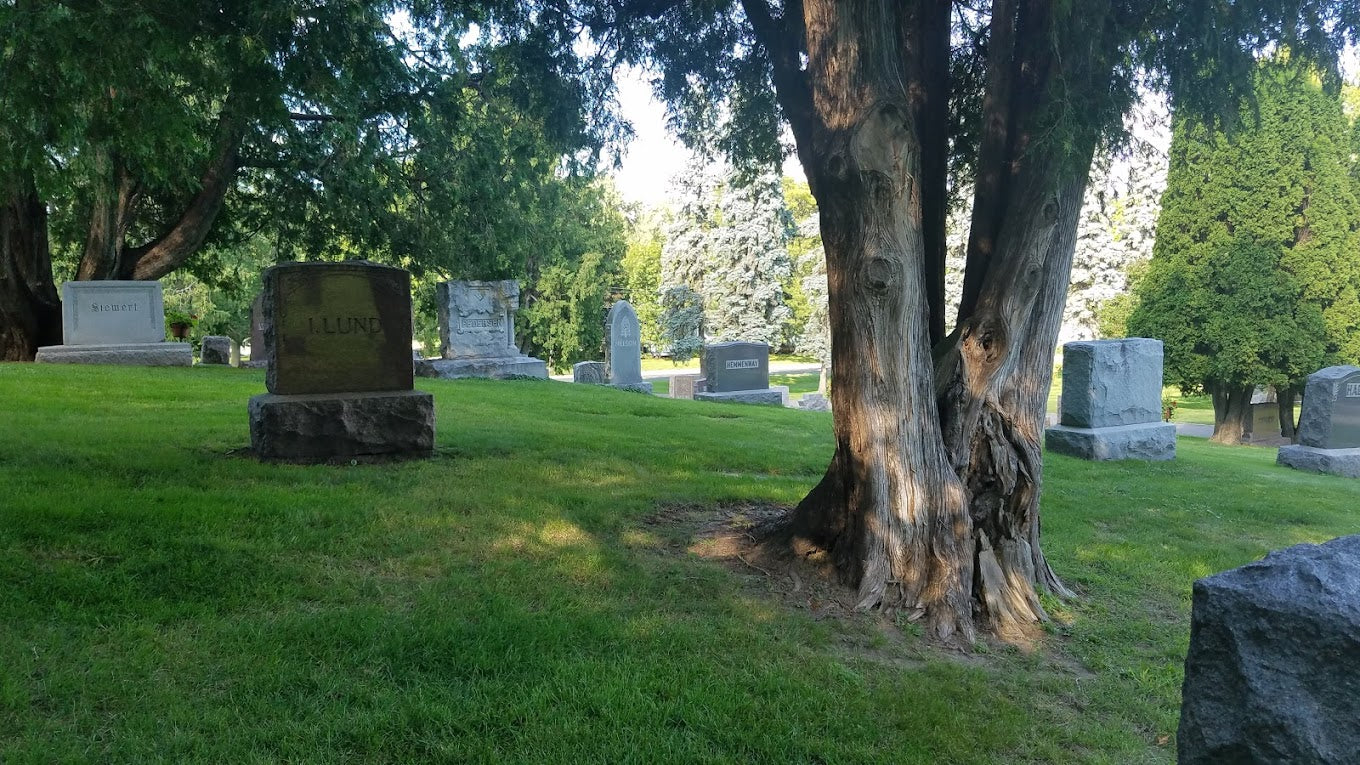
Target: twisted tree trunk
(931, 500)
(1232, 412)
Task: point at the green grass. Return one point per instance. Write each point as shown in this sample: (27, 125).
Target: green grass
(166, 600)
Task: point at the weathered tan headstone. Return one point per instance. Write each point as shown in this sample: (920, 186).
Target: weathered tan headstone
(338, 340)
(337, 328)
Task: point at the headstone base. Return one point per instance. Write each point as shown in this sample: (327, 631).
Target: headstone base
(642, 387)
(1342, 462)
(684, 386)
(765, 396)
(1152, 441)
(127, 354)
(509, 366)
(315, 427)
(215, 349)
(814, 402)
(261, 364)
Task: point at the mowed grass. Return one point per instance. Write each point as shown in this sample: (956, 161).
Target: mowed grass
(164, 599)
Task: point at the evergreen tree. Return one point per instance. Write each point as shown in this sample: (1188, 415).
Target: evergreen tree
(682, 322)
(729, 244)
(1254, 278)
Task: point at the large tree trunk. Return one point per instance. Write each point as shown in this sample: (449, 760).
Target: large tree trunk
(931, 501)
(1232, 412)
(30, 312)
(1285, 398)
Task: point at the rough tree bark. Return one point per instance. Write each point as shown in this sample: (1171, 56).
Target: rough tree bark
(1286, 397)
(30, 311)
(1232, 410)
(931, 501)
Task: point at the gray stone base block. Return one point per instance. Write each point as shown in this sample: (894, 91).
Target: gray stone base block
(214, 349)
(319, 426)
(1152, 441)
(766, 396)
(815, 402)
(1272, 674)
(131, 354)
(510, 366)
(261, 364)
(1342, 462)
(642, 387)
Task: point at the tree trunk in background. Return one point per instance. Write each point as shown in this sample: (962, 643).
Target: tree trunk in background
(30, 311)
(1232, 409)
(1286, 398)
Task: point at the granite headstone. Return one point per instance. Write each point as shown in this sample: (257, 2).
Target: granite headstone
(114, 322)
(738, 372)
(477, 332)
(337, 327)
(1329, 425)
(338, 340)
(623, 345)
(257, 356)
(215, 349)
(1272, 674)
(1111, 405)
(589, 372)
(736, 366)
(685, 386)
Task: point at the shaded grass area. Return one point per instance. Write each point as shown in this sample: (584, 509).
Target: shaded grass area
(167, 600)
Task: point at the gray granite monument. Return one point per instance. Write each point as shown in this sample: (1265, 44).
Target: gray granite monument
(1329, 425)
(623, 349)
(477, 333)
(1272, 674)
(337, 337)
(1112, 402)
(738, 373)
(215, 349)
(589, 372)
(815, 402)
(110, 322)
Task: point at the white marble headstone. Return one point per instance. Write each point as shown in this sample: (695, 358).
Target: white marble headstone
(112, 313)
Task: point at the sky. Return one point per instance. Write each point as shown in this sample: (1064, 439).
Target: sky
(654, 157)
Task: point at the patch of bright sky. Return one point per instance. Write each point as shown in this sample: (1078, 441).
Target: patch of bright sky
(654, 158)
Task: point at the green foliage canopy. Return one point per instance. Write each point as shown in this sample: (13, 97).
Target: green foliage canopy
(1254, 277)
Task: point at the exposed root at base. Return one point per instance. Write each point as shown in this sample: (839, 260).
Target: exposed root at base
(751, 539)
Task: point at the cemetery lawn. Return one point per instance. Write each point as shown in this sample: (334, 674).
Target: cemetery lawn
(529, 594)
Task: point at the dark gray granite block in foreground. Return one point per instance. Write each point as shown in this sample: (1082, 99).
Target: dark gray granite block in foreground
(1273, 670)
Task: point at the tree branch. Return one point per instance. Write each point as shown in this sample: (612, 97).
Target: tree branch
(185, 237)
(783, 41)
